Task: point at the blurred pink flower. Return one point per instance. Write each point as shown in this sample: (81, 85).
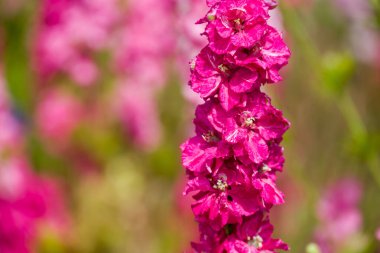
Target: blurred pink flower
(25, 201)
(189, 13)
(10, 134)
(143, 46)
(339, 214)
(56, 217)
(357, 10)
(365, 43)
(378, 234)
(138, 112)
(83, 71)
(142, 50)
(365, 40)
(57, 116)
(70, 33)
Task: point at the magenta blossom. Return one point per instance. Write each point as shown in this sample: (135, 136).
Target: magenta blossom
(253, 235)
(233, 160)
(210, 75)
(233, 24)
(268, 55)
(69, 33)
(141, 67)
(225, 195)
(25, 202)
(136, 107)
(241, 71)
(249, 130)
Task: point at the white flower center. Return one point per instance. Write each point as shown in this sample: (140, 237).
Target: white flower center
(256, 241)
(221, 183)
(223, 68)
(250, 122)
(265, 168)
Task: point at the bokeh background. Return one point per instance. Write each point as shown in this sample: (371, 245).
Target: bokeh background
(94, 105)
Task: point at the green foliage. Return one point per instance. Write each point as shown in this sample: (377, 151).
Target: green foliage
(16, 61)
(338, 70)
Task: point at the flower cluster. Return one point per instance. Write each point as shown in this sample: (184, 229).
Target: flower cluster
(73, 39)
(68, 32)
(141, 61)
(232, 161)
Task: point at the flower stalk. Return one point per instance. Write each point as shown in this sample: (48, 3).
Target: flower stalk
(233, 159)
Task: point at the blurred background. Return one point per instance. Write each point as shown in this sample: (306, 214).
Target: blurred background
(94, 104)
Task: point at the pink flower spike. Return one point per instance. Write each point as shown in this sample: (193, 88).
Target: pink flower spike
(232, 162)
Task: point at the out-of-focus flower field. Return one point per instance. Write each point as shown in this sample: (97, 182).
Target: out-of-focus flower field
(94, 104)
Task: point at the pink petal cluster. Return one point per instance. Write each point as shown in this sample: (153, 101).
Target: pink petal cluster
(233, 160)
(73, 34)
(339, 215)
(57, 115)
(26, 201)
(141, 61)
(69, 32)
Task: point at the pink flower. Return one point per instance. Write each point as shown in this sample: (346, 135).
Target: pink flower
(254, 235)
(210, 76)
(69, 33)
(25, 201)
(233, 24)
(10, 134)
(58, 114)
(232, 161)
(235, 127)
(225, 196)
(137, 110)
(378, 234)
(357, 10)
(242, 71)
(339, 214)
(267, 56)
(141, 67)
(199, 152)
